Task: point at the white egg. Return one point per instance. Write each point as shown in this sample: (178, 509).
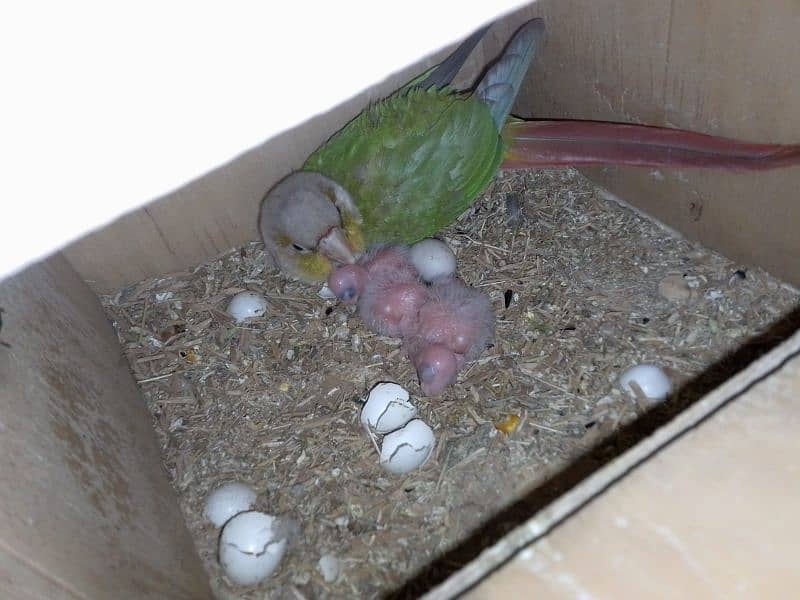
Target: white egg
(328, 567)
(651, 379)
(433, 259)
(228, 500)
(249, 548)
(408, 448)
(246, 305)
(387, 408)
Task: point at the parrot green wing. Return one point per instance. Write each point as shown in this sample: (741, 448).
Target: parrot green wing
(413, 162)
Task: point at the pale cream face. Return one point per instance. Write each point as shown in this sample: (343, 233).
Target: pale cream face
(304, 229)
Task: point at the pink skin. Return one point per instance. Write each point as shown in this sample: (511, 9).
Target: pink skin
(390, 308)
(386, 263)
(437, 368)
(452, 329)
(347, 283)
(444, 326)
(457, 316)
(393, 293)
(390, 262)
(386, 287)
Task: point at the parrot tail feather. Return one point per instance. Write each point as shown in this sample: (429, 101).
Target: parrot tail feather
(542, 144)
(500, 85)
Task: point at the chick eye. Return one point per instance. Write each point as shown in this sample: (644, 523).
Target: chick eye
(300, 249)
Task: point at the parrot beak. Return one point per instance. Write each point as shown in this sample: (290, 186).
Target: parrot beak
(334, 246)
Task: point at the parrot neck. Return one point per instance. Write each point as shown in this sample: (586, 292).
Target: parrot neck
(353, 233)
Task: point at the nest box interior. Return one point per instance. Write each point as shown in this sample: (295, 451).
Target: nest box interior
(129, 394)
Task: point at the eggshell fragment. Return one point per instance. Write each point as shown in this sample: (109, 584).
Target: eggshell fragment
(248, 549)
(328, 567)
(325, 293)
(674, 288)
(247, 305)
(228, 500)
(387, 408)
(650, 379)
(408, 448)
(433, 259)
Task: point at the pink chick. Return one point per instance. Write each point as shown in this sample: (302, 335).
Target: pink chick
(437, 366)
(386, 287)
(453, 328)
(390, 307)
(348, 282)
(390, 260)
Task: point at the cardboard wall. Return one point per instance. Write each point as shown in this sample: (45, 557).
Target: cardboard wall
(100, 123)
(702, 508)
(711, 514)
(86, 510)
(725, 67)
(216, 212)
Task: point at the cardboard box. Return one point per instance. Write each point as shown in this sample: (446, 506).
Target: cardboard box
(88, 513)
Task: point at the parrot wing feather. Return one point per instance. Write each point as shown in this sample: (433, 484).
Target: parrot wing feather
(443, 74)
(500, 85)
(414, 162)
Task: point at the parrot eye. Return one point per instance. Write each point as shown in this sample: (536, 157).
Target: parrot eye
(427, 373)
(300, 249)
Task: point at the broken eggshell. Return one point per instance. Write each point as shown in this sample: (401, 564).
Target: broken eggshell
(228, 500)
(251, 547)
(433, 259)
(247, 305)
(408, 448)
(654, 383)
(325, 293)
(329, 567)
(387, 408)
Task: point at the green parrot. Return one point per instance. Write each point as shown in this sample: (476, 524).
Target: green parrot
(411, 164)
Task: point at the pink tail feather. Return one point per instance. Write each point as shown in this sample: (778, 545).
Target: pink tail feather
(542, 144)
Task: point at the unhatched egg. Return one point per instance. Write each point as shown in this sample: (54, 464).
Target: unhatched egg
(408, 448)
(246, 305)
(227, 500)
(250, 547)
(387, 408)
(433, 259)
(650, 379)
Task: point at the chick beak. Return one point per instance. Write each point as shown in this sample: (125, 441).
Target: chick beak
(334, 246)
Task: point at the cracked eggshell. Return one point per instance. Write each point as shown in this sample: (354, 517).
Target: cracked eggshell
(408, 448)
(651, 379)
(247, 305)
(387, 408)
(248, 550)
(433, 259)
(227, 500)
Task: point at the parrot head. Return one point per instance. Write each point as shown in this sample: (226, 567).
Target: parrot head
(309, 225)
(437, 367)
(348, 282)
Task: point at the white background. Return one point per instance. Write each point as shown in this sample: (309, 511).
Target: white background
(105, 107)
